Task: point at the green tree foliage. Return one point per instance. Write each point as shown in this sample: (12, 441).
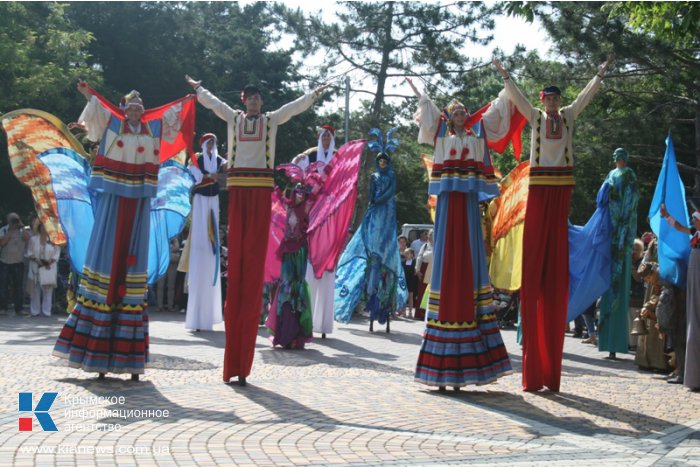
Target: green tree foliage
(150, 46)
(42, 55)
(651, 89)
(390, 40)
(675, 22)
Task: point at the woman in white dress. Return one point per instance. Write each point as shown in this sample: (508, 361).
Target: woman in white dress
(204, 274)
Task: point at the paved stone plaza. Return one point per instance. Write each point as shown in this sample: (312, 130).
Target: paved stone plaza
(346, 400)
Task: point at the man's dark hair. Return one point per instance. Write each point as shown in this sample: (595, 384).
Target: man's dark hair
(251, 90)
(549, 90)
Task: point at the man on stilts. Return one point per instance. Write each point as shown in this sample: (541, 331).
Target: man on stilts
(545, 283)
(251, 158)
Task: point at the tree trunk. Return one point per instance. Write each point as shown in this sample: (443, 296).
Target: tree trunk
(375, 116)
(387, 47)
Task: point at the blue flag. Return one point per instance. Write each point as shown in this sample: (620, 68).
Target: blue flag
(674, 246)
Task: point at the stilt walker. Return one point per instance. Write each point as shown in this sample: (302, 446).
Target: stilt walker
(613, 331)
(251, 158)
(462, 343)
(107, 331)
(370, 268)
(545, 276)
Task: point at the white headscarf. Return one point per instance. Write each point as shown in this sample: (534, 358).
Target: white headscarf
(325, 155)
(210, 158)
(208, 162)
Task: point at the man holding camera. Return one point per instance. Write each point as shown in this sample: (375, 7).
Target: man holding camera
(13, 239)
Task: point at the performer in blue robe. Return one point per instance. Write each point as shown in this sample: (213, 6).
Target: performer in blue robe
(370, 268)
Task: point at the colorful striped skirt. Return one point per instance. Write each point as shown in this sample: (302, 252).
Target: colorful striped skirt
(107, 330)
(462, 343)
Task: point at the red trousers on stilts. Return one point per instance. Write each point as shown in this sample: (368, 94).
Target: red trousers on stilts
(248, 229)
(545, 285)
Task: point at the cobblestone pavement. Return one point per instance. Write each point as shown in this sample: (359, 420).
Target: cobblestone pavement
(346, 400)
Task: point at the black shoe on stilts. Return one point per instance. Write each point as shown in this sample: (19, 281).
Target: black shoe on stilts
(100, 376)
(241, 381)
(134, 377)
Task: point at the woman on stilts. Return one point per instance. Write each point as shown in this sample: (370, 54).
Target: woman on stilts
(107, 331)
(462, 343)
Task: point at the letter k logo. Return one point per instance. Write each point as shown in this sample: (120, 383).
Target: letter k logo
(41, 411)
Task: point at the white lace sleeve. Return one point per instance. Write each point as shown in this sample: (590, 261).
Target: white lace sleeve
(427, 116)
(497, 118)
(95, 118)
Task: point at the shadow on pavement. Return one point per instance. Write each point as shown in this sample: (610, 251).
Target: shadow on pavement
(157, 362)
(352, 349)
(208, 338)
(508, 404)
(143, 395)
(624, 361)
(607, 368)
(393, 336)
(307, 357)
(287, 410)
(34, 330)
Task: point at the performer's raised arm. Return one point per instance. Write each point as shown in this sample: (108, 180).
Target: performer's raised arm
(413, 86)
(515, 94)
(95, 116)
(287, 111)
(427, 116)
(211, 102)
(585, 96)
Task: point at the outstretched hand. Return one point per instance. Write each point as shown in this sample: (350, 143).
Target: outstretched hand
(319, 90)
(413, 86)
(84, 89)
(194, 83)
(499, 67)
(603, 68)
